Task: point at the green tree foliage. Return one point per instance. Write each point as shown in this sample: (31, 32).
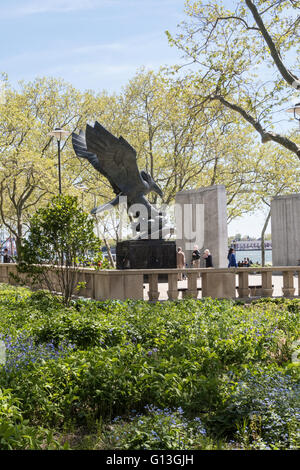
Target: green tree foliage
(187, 147)
(28, 155)
(182, 137)
(61, 235)
(246, 58)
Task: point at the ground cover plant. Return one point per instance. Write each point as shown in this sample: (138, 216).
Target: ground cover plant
(134, 375)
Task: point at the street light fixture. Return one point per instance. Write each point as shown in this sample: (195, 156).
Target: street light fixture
(295, 110)
(59, 133)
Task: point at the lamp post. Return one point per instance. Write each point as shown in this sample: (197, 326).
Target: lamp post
(59, 134)
(295, 110)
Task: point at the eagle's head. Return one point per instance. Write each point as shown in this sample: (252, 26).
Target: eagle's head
(151, 183)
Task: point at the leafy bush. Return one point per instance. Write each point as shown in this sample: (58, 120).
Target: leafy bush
(21, 352)
(265, 408)
(60, 236)
(15, 433)
(91, 361)
(158, 429)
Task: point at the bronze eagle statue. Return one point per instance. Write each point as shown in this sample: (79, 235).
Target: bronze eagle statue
(116, 159)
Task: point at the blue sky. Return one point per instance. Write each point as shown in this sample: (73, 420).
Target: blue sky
(93, 44)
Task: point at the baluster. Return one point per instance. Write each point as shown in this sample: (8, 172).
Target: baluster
(266, 281)
(192, 285)
(288, 284)
(172, 284)
(243, 289)
(153, 287)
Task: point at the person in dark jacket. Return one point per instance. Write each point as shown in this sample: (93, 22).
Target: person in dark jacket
(208, 259)
(231, 259)
(196, 257)
(6, 257)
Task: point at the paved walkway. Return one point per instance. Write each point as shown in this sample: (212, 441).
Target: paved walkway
(254, 279)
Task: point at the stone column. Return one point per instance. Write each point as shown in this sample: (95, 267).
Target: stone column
(153, 292)
(192, 286)
(243, 284)
(285, 223)
(288, 284)
(266, 282)
(201, 219)
(173, 288)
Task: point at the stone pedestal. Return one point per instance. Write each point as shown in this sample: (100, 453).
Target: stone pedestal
(201, 219)
(218, 285)
(146, 254)
(285, 224)
(119, 285)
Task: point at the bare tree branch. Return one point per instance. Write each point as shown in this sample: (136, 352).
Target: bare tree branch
(265, 136)
(291, 79)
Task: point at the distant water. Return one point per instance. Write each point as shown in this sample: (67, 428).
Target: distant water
(254, 255)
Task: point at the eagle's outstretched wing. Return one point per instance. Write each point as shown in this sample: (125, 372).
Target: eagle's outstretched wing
(79, 146)
(116, 159)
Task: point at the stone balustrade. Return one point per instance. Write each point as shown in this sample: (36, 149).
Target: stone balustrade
(203, 282)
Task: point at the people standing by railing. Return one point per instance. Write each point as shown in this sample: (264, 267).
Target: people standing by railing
(208, 259)
(231, 259)
(6, 257)
(196, 257)
(180, 261)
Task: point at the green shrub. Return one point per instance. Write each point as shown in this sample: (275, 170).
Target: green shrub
(263, 409)
(60, 235)
(163, 429)
(15, 433)
(125, 355)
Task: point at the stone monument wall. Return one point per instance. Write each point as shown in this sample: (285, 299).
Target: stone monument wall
(203, 212)
(285, 226)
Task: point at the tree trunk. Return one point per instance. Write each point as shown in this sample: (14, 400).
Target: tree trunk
(19, 238)
(19, 248)
(110, 257)
(263, 238)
